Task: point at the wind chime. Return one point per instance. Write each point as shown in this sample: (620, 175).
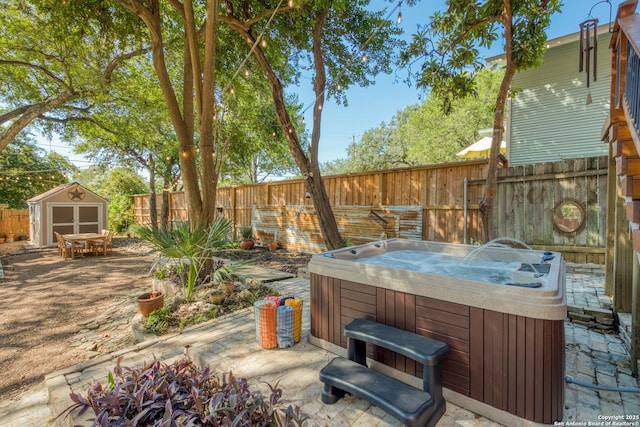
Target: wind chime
(589, 50)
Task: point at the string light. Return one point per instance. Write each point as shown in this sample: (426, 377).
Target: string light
(290, 3)
(263, 42)
(399, 17)
(255, 44)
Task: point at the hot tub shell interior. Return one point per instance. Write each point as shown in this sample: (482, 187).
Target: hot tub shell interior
(507, 342)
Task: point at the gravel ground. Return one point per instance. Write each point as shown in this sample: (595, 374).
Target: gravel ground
(47, 301)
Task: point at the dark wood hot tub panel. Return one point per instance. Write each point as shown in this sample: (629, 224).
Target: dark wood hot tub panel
(510, 362)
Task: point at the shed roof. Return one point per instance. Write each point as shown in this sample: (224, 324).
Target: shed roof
(60, 188)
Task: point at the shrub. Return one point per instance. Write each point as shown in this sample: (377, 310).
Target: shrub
(246, 232)
(191, 244)
(179, 394)
(156, 322)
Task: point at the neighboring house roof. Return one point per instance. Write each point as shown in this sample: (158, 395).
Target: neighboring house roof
(60, 188)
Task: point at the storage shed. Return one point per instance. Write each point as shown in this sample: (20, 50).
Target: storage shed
(66, 209)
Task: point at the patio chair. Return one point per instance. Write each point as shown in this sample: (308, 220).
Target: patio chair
(104, 245)
(65, 248)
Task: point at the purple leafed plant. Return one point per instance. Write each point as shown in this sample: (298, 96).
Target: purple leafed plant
(179, 394)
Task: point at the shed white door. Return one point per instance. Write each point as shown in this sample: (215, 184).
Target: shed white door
(68, 218)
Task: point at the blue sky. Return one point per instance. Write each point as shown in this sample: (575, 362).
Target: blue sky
(373, 105)
(378, 103)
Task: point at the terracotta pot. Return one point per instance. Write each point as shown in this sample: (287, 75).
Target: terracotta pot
(273, 246)
(216, 297)
(146, 305)
(229, 287)
(9, 237)
(247, 244)
(1, 239)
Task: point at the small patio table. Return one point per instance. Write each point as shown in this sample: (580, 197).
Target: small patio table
(82, 237)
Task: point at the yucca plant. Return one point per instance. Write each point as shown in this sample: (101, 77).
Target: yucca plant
(191, 244)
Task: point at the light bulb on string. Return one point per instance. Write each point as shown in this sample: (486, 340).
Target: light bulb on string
(232, 91)
(364, 57)
(339, 87)
(246, 73)
(263, 42)
(274, 133)
(399, 16)
(290, 3)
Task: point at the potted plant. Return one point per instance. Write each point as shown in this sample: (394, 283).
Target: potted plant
(9, 236)
(2, 237)
(247, 241)
(150, 301)
(273, 246)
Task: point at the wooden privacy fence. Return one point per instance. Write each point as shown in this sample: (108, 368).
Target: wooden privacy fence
(524, 206)
(14, 221)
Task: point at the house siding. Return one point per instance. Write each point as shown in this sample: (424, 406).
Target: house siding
(549, 119)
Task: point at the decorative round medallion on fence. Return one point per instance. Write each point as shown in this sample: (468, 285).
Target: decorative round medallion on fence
(256, 315)
(284, 327)
(268, 321)
(296, 303)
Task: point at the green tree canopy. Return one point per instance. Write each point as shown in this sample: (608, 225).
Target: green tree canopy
(117, 185)
(26, 171)
(448, 59)
(56, 61)
(424, 134)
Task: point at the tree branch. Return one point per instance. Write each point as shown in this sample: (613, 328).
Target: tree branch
(32, 113)
(119, 59)
(77, 119)
(38, 68)
(13, 113)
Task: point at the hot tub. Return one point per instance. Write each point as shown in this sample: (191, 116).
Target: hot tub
(503, 317)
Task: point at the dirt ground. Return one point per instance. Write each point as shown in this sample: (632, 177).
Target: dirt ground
(46, 299)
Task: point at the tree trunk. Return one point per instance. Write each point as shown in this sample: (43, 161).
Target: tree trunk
(166, 207)
(308, 167)
(153, 212)
(486, 206)
(181, 118)
(326, 219)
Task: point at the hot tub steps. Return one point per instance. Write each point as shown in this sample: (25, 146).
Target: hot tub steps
(412, 406)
